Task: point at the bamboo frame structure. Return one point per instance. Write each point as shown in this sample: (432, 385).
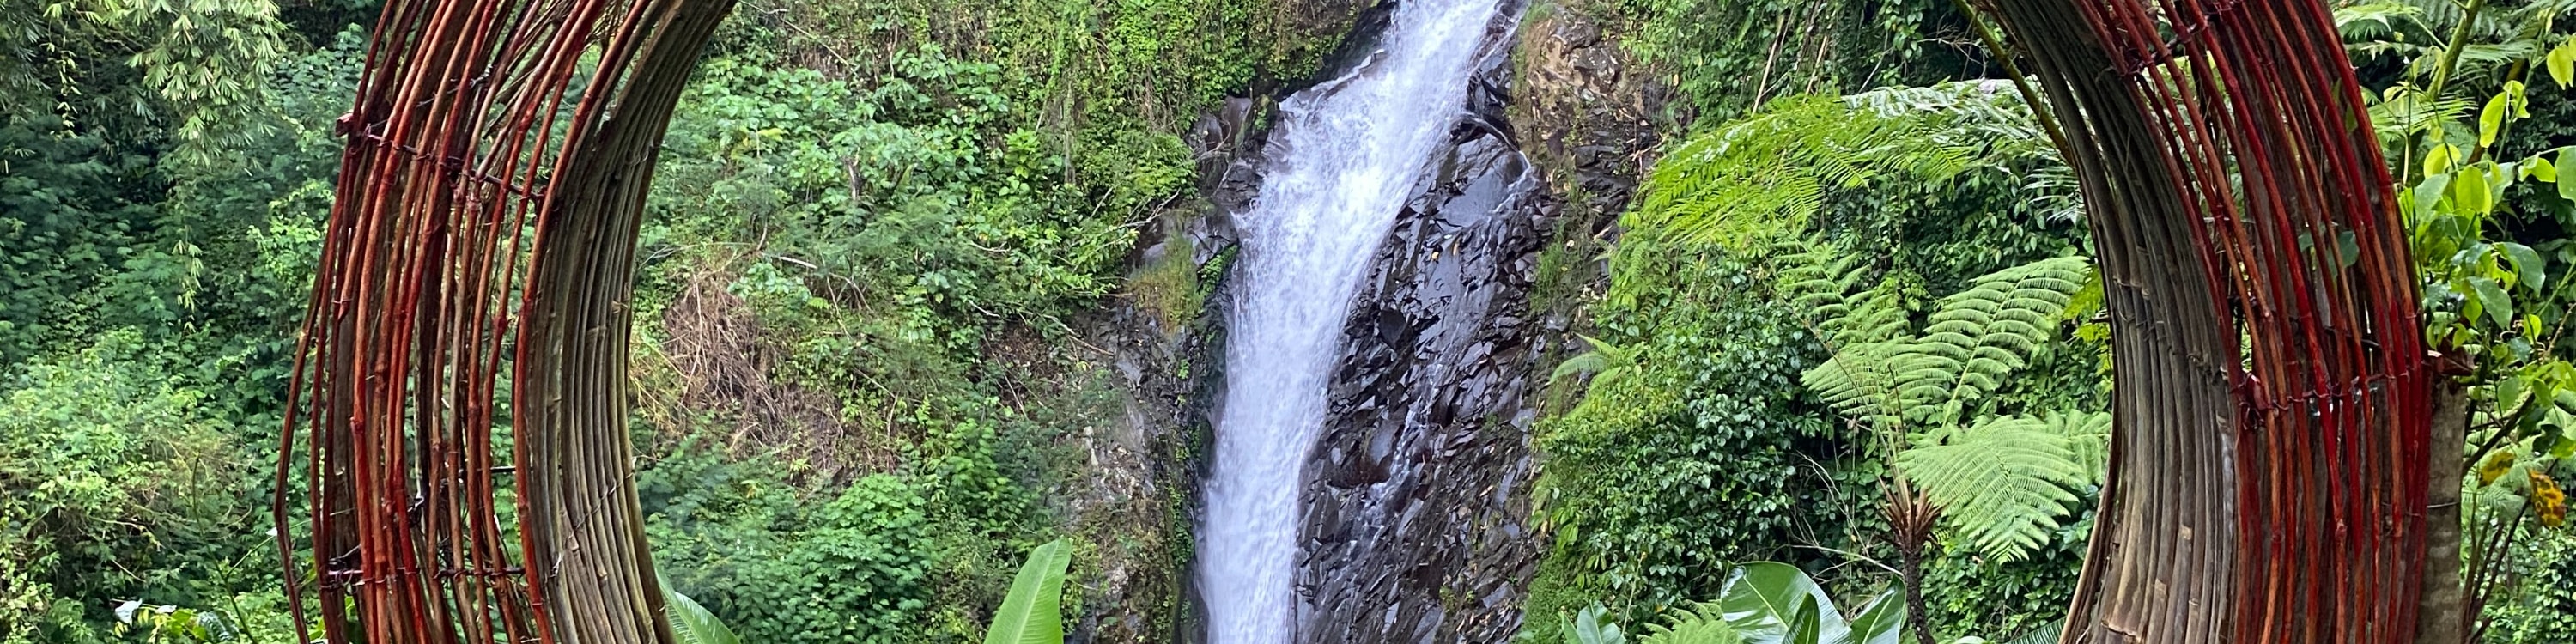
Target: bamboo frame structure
(485, 221)
(2273, 406)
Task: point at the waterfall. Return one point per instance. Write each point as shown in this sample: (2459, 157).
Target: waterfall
(1343, 159)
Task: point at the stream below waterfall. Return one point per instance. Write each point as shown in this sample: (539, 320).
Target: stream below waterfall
(1337, 170)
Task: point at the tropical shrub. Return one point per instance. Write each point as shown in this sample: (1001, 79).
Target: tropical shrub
(102, 461)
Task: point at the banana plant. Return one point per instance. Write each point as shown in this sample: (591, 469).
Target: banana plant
(1762, 603)
(1033, 612)
(692, 623)
(1776, 603)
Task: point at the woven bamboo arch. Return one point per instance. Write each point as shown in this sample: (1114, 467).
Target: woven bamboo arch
(2272, 392)
(484, 226)
(2268, 477)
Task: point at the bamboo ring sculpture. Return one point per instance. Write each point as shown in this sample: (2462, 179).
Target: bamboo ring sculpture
(2273, 393)
(485, 221)
(2269, 461)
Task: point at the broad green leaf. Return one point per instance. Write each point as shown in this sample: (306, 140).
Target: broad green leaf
(1881, 621)
(2529, 271)
(1587, 628)
(2491, 119)
(2509, 391)
(2566, 189)
(1762, 601)
(1806, 629)
(2562, 63)
(2428, 194)
(2438, 160)
(1032, 612)
(2469, 191)
(2541, 170)
(692, 623)
(2491, 298)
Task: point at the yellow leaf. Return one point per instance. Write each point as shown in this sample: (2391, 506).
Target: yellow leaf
(2548, 499)
(2494, 467)
(2491, 119)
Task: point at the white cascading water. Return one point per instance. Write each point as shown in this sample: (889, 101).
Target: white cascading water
(1343, 158)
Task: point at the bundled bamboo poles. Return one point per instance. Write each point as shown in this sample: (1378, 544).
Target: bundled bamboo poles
(2273, 397)
(485, 223)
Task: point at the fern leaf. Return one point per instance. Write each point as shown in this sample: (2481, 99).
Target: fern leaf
(2088, 435)
(1758, 180)
(1703, 624)
(2002, 484)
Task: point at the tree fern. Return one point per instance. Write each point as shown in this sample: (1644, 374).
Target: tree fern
(1970, 346)
(1705, 624)
(1606, 363)
(1758, 179)
(2005, 482)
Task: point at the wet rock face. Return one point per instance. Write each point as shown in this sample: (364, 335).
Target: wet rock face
(1586, 110)
(1415, 501)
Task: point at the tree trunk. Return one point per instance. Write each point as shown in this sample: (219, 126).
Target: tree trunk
(2441, 609)
(1910, 572)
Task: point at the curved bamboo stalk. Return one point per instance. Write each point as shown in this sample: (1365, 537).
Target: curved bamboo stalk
(485, 223)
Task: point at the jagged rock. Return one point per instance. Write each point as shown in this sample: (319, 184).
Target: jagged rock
(1406, 537)
(1414, 507)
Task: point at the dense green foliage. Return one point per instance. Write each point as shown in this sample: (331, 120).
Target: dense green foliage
(871, 218)
(107, 461)
(1713, 444)
(1727, 56)
(2470, 105)
(1763, 602)
(881, 229)
(146, 302)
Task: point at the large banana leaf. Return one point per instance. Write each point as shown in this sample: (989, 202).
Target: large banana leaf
(1776, 603)
(691, 623)
(1032, 613)
(1588, 628)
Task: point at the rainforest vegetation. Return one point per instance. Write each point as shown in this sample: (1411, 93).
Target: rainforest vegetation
(1846, 341)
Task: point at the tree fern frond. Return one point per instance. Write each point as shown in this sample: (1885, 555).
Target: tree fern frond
(2088, 435)
(1605, 362)
(2002, 484)
(2002, 319)
(1703, 624)
(1758, 180)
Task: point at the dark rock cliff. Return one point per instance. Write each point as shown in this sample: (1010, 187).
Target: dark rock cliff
(1414, 526)
(1416, 523)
